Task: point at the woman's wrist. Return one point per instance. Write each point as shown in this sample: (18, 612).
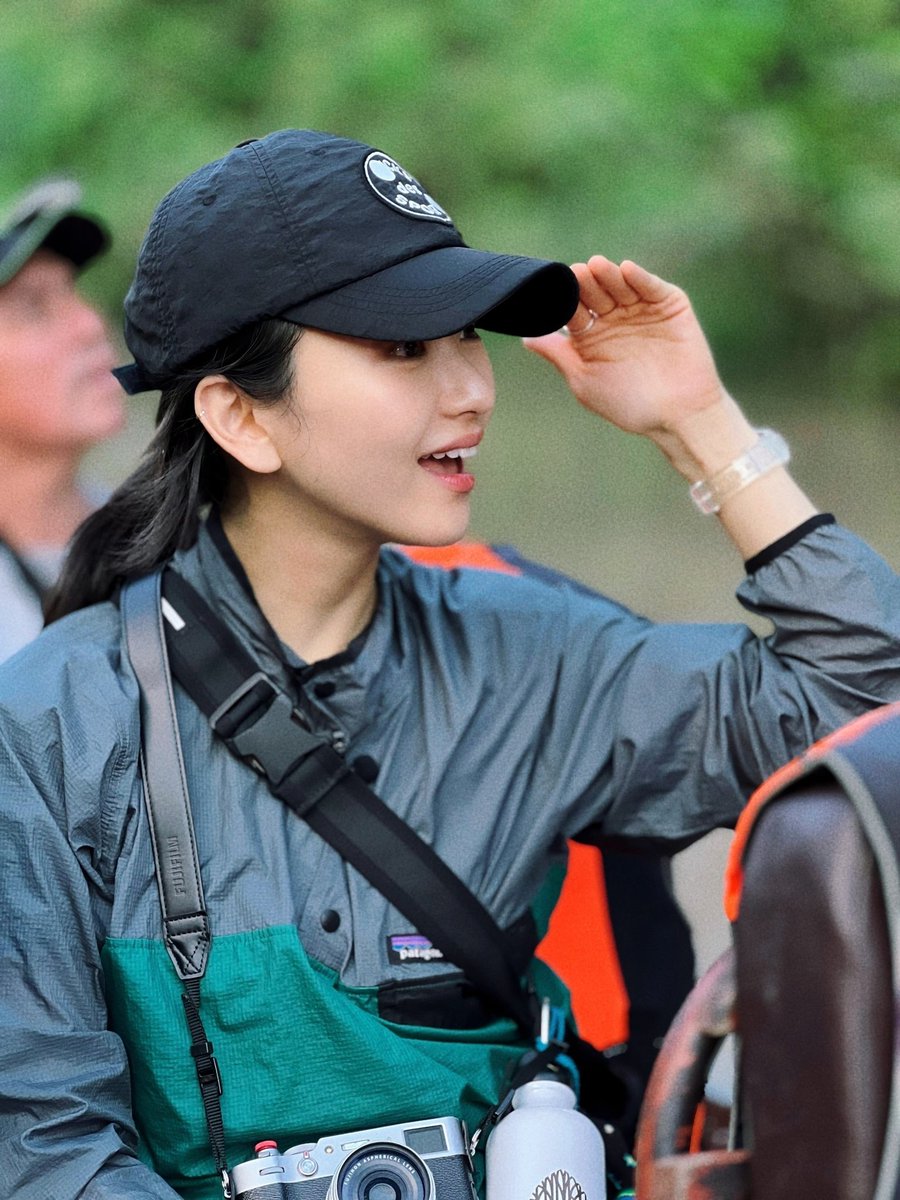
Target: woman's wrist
(703, 443)
(769, 451)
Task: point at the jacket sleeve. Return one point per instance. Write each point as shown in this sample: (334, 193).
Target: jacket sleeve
(65, 1122)
(689, 719)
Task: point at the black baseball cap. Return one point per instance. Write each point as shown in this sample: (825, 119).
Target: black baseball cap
(326, 232)
(45, 217)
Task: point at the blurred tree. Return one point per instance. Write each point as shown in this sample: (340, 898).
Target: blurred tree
(750, 151)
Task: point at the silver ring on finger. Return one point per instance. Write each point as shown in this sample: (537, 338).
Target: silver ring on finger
(592, 318)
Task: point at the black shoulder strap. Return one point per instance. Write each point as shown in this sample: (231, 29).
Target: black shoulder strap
(185, 922)
(259, 724)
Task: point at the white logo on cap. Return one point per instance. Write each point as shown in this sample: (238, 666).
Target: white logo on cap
(397, 188)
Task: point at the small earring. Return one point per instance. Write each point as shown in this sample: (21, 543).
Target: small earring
(202, 412)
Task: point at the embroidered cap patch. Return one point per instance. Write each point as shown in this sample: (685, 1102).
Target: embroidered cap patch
(398, 189)
(412, 948)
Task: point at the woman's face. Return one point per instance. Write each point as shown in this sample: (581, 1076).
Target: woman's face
(357, 445)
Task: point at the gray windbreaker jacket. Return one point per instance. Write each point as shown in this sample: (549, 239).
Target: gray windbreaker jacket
(502, 713)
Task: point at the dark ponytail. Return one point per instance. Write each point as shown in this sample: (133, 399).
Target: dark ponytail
(156, 510)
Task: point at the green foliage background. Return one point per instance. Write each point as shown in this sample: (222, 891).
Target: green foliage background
(748, 149)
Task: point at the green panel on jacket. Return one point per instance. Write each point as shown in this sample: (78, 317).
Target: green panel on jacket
(300, 1056)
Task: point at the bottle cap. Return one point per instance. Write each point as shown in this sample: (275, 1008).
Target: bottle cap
(544, 1093)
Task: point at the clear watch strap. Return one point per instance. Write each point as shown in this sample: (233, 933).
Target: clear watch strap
(770, 450)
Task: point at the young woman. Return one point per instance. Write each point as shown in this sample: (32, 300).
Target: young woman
(310, 314)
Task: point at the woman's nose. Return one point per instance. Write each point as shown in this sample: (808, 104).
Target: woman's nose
(469, 383)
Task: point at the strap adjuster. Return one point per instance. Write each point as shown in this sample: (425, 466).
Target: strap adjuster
(207, 1067)
(260, 723)
(231, 712)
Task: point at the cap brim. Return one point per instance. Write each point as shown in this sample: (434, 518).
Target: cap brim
(77, 238)
(442, 291)
(70, 235)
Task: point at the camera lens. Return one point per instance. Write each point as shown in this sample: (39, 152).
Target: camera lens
(383, 1171)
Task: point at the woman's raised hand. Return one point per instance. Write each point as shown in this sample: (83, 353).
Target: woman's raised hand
(635, 353)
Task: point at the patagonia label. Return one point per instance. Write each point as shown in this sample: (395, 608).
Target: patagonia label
(412, 948)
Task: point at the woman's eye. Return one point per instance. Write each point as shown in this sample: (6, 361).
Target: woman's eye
(408, 349)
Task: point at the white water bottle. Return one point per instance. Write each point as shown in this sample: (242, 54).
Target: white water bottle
(544, 1149)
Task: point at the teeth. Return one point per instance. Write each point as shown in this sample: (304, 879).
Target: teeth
(463, 452)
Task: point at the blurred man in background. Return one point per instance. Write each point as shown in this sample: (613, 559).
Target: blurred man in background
(57, 396)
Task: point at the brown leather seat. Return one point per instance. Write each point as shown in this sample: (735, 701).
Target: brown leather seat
(813, 886)
(815, 1004)
(809, 988)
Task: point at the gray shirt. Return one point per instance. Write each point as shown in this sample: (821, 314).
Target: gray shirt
(22, 618)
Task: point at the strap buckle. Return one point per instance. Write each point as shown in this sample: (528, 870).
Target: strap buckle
(262, 725)
(225, 720)
(207, 1066)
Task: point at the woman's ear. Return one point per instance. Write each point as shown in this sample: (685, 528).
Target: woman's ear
(229, 417)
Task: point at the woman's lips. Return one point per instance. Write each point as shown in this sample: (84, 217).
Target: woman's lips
(448, 472)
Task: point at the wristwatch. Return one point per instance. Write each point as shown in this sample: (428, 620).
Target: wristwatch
(770, 450)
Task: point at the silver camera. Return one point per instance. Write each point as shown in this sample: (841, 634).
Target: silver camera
(418, 1160)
